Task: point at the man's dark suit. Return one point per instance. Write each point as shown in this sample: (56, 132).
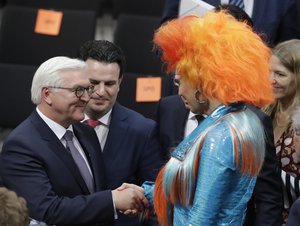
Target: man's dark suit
(132, 152)
(36, 165)
(276, 18)
(171, 118)
(294, 214)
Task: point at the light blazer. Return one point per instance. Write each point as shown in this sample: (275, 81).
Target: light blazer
(36, 165)
(171, 117)
(276, 18)
(132, 152)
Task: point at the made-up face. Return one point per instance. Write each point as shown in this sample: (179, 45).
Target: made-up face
(187, 94)
(105, 77)
(283, 81)
(65, 107)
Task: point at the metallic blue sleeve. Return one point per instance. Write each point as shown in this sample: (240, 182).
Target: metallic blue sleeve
(148, 187)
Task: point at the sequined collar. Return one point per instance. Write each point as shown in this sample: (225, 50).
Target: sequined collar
(222, 110)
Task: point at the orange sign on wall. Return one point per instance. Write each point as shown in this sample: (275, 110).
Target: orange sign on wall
(148, 89)
(48, 22)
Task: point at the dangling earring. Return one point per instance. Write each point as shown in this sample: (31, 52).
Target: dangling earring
(197, 94)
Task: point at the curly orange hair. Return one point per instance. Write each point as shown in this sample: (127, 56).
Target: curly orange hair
(220, 56)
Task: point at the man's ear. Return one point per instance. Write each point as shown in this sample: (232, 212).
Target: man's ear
(45, 95)
(120, 79)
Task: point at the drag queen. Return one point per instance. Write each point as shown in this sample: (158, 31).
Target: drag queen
(221, 67)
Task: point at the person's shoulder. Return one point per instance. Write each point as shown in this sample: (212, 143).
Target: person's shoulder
(21, 131)
(257, 111)
(220, 130)
(171, 104)
(218, 144)
(263, 117)
(218, 134)
(24, 136)
(170, 99)
(135, 118)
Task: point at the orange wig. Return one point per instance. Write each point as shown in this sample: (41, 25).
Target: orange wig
(218, 55)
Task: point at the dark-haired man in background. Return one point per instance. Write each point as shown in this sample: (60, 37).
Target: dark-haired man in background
(129, 142)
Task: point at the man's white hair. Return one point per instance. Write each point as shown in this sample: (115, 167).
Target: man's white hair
(49, 74)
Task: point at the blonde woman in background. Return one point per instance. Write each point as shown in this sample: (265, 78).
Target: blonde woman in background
(285, 77)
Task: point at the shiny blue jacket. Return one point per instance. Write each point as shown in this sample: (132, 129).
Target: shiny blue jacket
(226, 142)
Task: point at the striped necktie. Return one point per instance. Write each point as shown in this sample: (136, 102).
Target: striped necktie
(239, 3)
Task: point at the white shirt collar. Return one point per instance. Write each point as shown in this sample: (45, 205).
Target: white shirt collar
(58, 130)
(105, 119)
(192, 116)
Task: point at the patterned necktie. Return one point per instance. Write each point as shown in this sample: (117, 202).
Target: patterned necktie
(81, 164)
(92, 122)
(239, 3)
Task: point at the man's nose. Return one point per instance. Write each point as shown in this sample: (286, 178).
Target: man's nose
(101, 88)
(85, 96)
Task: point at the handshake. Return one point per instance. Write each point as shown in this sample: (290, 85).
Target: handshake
(129, 199)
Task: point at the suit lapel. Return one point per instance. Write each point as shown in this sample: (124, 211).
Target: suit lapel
(183, 116)
(117, 131)
(92, 154)
(180, 117)
(55, 146)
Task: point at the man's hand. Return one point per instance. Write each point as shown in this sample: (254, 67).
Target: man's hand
(129, 199)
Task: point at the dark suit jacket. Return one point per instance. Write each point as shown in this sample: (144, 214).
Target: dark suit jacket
(132, 152)
(35, 164)
(171, 118)
(276, 18)
(294, 214)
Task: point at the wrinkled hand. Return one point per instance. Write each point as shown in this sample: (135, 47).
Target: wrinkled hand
(129, 199)
(133, 186)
